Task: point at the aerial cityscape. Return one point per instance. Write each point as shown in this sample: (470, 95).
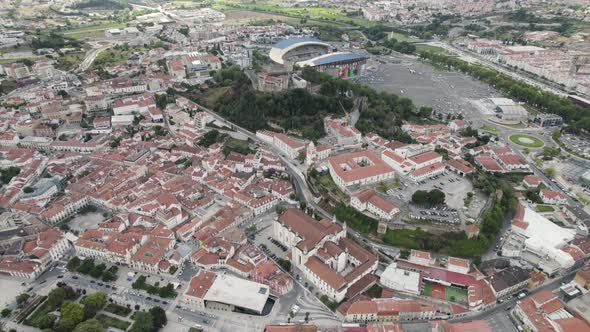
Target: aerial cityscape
(295, 166)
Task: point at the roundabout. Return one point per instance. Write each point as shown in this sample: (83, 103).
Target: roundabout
(527, 141)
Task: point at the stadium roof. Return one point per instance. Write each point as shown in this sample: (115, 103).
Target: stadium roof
(292, 41)
(331, 58)
(278, 51)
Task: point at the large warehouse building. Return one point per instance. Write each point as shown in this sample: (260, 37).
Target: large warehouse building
(315, 53)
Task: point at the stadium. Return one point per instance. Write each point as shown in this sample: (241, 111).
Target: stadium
(317, 54)
(339, 64)
(298, 49)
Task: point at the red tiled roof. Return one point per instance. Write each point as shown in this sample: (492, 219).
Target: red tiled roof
(200, 284)
(356, 172)
(324, 272)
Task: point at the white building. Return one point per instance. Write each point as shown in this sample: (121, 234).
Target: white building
(369, 200)
(401, 280)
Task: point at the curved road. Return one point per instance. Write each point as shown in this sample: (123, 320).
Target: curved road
(97, 48)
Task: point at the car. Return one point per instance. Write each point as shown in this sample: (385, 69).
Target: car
(100, 284)
(74, 277)
(164, 302)
(92, 281)
(178, 307)
(148, 298)
(156, 300)
(60, 277)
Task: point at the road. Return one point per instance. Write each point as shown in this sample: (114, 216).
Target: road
(552, 285)
(473, 58)
(97, 48)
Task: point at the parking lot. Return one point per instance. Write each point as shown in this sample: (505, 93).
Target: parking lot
(264, 240)
(446, 92)
(440, 214)
(578, 144)
(455, 188)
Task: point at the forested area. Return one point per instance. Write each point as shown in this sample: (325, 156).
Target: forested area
(301, 112)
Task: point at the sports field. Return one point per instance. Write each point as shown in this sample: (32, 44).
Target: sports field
(446, 293)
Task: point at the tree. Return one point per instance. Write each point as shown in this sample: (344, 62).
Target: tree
(21, 299)
(56, 297)
(69, 292)
(550, 171)
(158, 317)
(436, 197)
(5, 312)
(98, 299)
(65, 325)
(97, 270)
(108, 276)
(93, 303)
(209, 138)
(92, 325)
(433, 197)
(285, 264)
(425, 111)
(143, 322)
(44, 322)
(420, 197)
(86, 265)
(8, 173)
(71, 311)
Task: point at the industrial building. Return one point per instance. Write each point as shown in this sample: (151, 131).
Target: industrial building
(548, 120)
(509, 112)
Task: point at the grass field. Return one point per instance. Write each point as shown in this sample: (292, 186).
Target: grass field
(210, 96)
(427, 289)
(398, 36)
(526, 141)
(544, 208)
(438, 291)
(108, 321)
(332, 14)
(456, 294)
(115, 56)
(92, 31)
(117, 310)
(245, 16)
(430, 48)
(491, 129)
